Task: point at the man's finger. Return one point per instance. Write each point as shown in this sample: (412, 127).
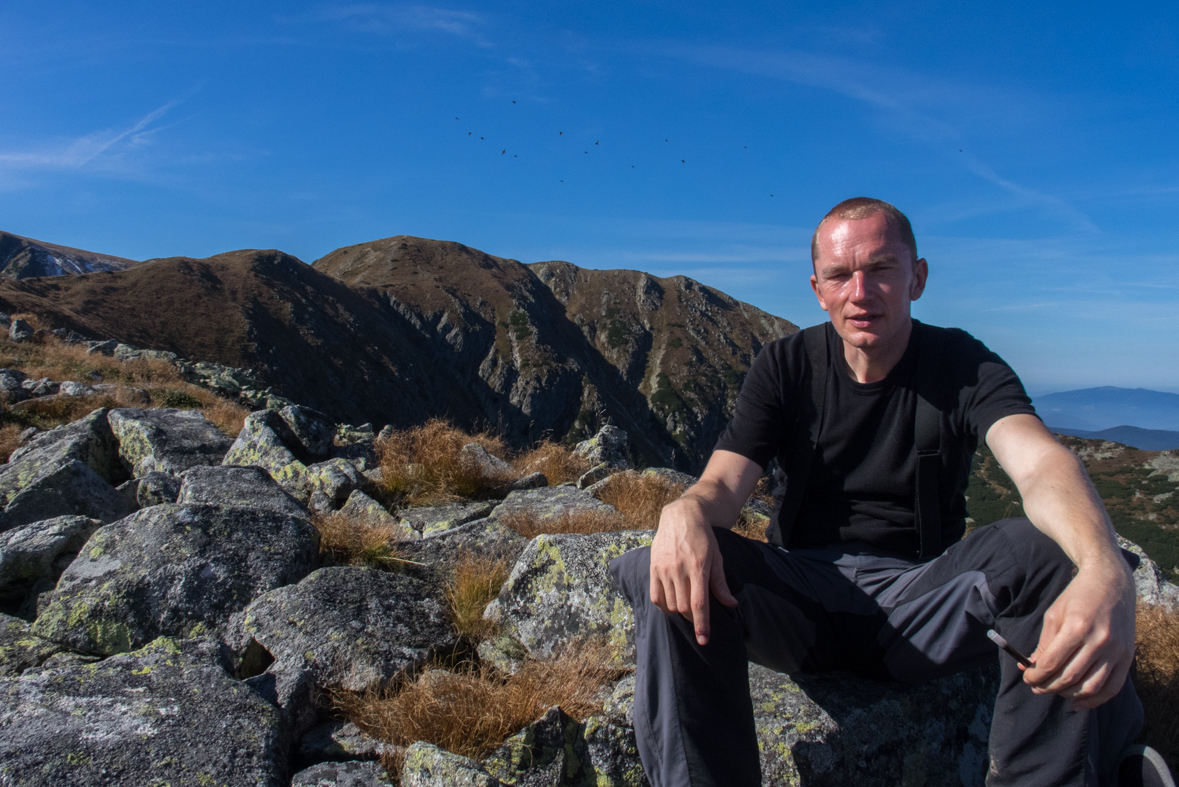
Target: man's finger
(716, 580)
(700, 609)
(658, 598)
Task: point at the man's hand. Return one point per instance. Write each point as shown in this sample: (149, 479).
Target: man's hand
(1087, 641)
(686, 562)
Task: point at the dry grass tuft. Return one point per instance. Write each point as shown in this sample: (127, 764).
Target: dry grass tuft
(424, 465)
(356, 541)
(473, 713)
(528, 524)
(9, 440)
(1157, 679)
(752, 526)
(475, 581)
(639, 498)
(162, 382)
(557, 461)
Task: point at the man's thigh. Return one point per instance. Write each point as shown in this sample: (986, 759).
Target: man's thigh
(1001, 576)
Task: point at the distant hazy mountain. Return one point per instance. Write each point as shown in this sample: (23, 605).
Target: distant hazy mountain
(1095, 409)
(22, 258)
(1145, 439)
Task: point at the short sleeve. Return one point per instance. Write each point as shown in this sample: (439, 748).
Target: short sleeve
(994, 392)
(758, 427)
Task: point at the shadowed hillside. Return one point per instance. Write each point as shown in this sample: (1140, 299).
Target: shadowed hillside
(401, 329)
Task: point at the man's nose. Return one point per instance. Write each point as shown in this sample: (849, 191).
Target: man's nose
(859, 285)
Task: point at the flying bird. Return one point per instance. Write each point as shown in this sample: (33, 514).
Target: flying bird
(595, 143)
(513, 102)
(505, 150)
(682, 161)
(559, 133)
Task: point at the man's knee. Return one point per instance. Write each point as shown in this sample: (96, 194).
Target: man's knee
(631, 572)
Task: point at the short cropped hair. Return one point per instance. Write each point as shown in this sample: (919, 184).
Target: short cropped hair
(862, 208)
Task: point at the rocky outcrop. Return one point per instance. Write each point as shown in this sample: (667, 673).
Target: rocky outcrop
(222, 557)
(560, 593)
(158, 715)
(351, 628)
(166, 441)
(173, 570)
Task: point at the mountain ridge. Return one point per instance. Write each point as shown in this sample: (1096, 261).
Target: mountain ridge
(401, 329)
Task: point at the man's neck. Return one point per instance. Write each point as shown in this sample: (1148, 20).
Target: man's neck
(872, 364)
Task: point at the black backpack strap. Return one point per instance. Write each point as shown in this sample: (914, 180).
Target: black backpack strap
(927, 434)
(810, 398)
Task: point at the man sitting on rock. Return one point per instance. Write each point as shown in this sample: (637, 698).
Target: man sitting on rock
(874, 418)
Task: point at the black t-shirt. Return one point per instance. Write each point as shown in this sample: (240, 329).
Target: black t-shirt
(862, 481)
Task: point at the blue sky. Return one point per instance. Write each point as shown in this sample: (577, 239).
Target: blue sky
(1034, 146)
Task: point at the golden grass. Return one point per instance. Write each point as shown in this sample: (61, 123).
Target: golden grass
(528, 524)
(639, 498)
(475, 581)
(9, 440)
(1157, 679)
(556, 460)
(357, 541)
(752, 526)
(473, 713)
(424, 465)
(161, 381)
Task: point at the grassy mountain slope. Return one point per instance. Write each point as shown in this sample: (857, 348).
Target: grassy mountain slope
(1140, 490)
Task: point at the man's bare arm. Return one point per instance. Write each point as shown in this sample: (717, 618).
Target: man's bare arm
(685, 560)
(1087, 641)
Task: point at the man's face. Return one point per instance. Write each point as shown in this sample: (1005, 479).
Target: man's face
(865, 278)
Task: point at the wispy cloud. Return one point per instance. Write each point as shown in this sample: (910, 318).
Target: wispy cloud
(89, 149)
(385, 19)
(932, 111)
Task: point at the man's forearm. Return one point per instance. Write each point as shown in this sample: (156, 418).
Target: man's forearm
(1060, 500)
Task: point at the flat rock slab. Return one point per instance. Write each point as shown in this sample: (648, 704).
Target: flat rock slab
(20, 650)
(352, 628)
(550, 502)
(238, 487)
(67, 488)
(427, 765)
(840, 729)
(166, 440)
(560, 592)
(152, 489)
(155, 716)
(173, 570)
(485, 538)
(342, 774)
(434, 520)
(36, 551)
(89, 440)
(338, 741)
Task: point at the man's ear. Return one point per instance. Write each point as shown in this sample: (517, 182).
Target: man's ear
(920, 274)
(818, 292)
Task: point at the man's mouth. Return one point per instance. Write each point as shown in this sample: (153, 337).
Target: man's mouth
(863, 320)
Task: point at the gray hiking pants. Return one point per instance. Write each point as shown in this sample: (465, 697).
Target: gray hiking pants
(816, 610)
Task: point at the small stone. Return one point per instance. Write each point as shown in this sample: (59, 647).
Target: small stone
(530, 481)
(20, 331)
(609, 445)
(433, 520)
(310, 427)
(102, 348)
(342, 774)
(335, 741)
(595, 474)
(490, 466)
(361, 506)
